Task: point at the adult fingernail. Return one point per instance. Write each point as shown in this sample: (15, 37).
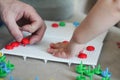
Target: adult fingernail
(32, 42)
(19, 38)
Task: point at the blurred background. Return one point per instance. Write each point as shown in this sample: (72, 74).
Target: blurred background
(68, 10)
(61, 9)
(65, 10)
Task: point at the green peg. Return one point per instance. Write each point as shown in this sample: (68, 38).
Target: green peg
(98, 70)
(3, 59)
(81, 77)
(106, 78)
(89, 72)
(10, 66)
(80, 68)
(2, 73)
(62, 24)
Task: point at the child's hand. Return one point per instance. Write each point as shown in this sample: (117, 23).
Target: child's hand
(59, 49)
(65, 49)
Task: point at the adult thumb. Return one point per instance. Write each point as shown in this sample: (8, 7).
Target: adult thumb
(13, 28)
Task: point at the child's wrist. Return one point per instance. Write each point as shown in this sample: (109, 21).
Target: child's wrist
(74, 47)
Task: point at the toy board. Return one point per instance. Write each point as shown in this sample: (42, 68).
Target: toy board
(58, 34)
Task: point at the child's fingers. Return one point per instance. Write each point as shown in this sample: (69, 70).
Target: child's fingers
(51, 50)
(58, 45)
(52, 45)
(62, 54)
(58, 50)
(57, 53)
(55, 45)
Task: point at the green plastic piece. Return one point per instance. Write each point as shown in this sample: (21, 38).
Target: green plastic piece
(105, 78)
(89, 71)
(80, 68)
(81, 77)
(10, 66)
(3, 59)
(62, 24)
(5, 66)
(2, 73)
(98, 70)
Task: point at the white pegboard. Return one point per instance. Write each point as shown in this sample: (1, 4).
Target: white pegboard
(59, 34)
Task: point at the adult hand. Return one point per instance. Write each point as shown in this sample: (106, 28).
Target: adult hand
(19, 17)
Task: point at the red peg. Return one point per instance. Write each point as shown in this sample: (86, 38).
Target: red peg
(25, 41)
(90, 48)
(9, 47)
(15, 44)
(82, 55)
(55, 25)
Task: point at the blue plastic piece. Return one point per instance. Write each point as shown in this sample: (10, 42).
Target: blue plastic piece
(106, 73)
(11, 78)
(36, 78)
(1, 64)
(76, 24)
(5, 68)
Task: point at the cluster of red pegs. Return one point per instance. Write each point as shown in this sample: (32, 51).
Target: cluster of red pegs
(11, 46)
